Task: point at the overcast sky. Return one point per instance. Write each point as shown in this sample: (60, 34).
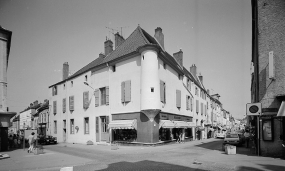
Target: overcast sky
(213, 34)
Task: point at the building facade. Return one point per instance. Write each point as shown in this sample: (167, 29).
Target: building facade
(136, 92)
(268, 78)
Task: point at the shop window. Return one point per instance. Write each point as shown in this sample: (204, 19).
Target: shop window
(267, 129)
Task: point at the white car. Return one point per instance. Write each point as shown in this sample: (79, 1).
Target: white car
(220, 135)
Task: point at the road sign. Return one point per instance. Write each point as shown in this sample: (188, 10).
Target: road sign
(253, 109)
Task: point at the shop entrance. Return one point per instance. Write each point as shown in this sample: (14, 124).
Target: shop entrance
(104, 130)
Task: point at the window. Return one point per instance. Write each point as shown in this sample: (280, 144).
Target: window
(85, 100)
(202, 109)
(54, 127)
(64, 105)
(188, 84)
(54, 107)
(104, 94)
(71, 126)
(187, 102)
(164, 65)
(86, 125)
(126, 91)
(197, 106)
(64, 124)
(114, 68)
(63, 86)
(178, 99)
(71, 103)
(152, 89)
(162, 92)
(54, 90)
(86, 78)
(71, 83)
(191, 103)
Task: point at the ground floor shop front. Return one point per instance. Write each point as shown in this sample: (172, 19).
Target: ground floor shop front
(151, 128)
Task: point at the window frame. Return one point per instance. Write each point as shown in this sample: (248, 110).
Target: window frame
(72, 126)
(86, 125)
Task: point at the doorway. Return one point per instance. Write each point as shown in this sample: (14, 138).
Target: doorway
(104, 128)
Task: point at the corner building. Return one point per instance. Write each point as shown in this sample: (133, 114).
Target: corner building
(136, 93)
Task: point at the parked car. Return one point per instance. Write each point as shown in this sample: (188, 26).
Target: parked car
(232, 139)
(220, 135)
(47, 140)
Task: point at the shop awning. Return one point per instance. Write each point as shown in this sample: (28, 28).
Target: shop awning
(191, 124)
(123, 124)
(281, 111)
(180, 124)
(166, 124)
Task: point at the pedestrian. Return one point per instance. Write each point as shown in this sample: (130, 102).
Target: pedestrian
(246, 136)
(15, 141)
(31, 142)
(11, 141)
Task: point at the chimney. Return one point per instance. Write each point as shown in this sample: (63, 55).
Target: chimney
(200, 78)
(36, 103)
(108, 47)
(118, 40)
(179, 57)
(31, 104)
(159, 36)
(193, 70)
(65, 70)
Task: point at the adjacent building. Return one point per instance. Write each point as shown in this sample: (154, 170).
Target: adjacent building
(5, 115)
(135, 92)
(268, 78)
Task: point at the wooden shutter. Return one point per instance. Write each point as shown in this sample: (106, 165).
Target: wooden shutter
(96, 97)
(54, 107)
(162, 92)
(128, 91)
(197, 106)
(191, 104)
(71, 103)
(123, 92)
(187, 103)
(85, 99)
(64, 105)
(178, 98)
(107, 95)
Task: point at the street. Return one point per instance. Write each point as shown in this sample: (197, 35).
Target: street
(194, 155)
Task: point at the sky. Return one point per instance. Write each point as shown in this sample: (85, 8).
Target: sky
(215, 35)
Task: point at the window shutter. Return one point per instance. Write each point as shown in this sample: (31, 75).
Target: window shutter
(97, 124)
(197, 106)
(54, 107)
(107, 120)
(96, 97)
(162, 91)
(71, 103)
(187, 103)
(64, 105)
(107, 95)
(128, 91)
(178, 98)
(85, 99)
(123, 92)
(191, 104)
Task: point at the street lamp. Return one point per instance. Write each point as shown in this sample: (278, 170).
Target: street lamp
(88, 85)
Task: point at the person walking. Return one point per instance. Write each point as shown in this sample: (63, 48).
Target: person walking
(31, 142)
(15, 141)
(246, 136)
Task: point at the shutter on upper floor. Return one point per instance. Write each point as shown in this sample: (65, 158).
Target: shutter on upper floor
(107, 95)
(197, 106)
(128, 91)
(85, 99)
(178, 98)
(162, 90)
(64, 105)
(123, 92)
(71, 103)
(202, 108)
(187, 103)
(54, 107)
(96, 97)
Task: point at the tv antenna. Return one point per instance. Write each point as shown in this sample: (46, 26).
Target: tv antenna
(122, 29)
(112, 30)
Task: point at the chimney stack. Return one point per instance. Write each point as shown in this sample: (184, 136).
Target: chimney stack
(193, 70)
(179, 57)
(108, 47)
(118, 40)
(159, 36)
(65, 71)
(200, 78)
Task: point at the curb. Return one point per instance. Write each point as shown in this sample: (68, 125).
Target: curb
(67, 169)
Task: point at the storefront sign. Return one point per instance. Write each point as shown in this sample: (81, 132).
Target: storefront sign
(163, 116)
